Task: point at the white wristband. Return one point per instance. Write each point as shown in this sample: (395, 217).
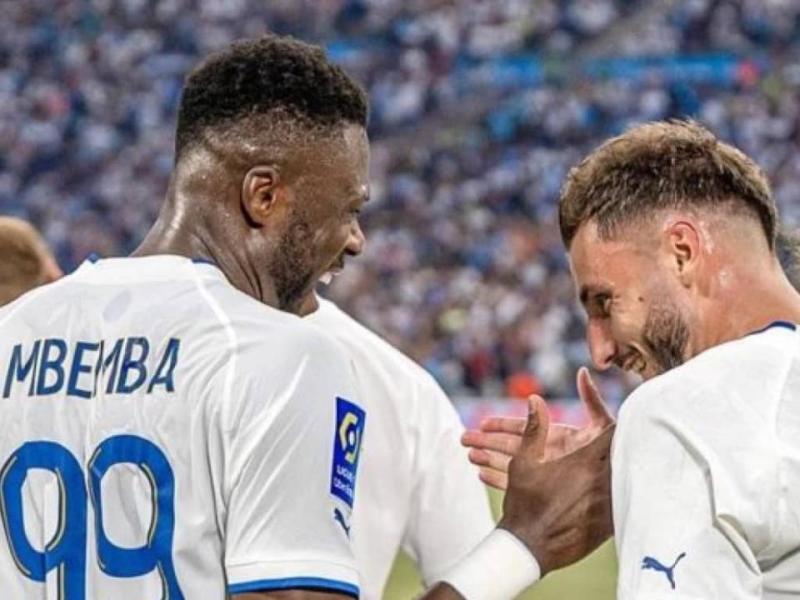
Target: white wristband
(499, 568)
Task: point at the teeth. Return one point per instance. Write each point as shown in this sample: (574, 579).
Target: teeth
(326, 278)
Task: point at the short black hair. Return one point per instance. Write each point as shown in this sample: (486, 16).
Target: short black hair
(269, 76)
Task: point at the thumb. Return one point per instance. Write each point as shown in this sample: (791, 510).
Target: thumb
(535, 435)
(592, 400)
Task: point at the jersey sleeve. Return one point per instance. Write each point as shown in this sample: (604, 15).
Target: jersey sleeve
(293, 459)
(450, 512)
(692, 487)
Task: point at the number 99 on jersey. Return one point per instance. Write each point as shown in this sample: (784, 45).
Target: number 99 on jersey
(66, 551)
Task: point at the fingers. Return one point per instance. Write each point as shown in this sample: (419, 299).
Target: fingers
(501, 442)
(493, 467)
(493, 478)
(534, 438)
(599, 447)
(514, 425)
(561, 439)
(488, 458)
(592, 400)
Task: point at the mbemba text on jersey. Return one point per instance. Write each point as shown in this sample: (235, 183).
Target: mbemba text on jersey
(163, 435)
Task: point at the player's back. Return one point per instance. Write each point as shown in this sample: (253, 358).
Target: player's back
(124, 432)
(436, 507)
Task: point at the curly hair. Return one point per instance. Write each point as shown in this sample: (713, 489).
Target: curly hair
(654, 166)
(272, 76)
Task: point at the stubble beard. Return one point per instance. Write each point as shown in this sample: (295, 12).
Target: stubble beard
(666, 336)
(292, 270)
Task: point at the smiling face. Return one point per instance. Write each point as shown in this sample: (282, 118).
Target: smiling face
(668, 229)
(322, 227)
(638, 316)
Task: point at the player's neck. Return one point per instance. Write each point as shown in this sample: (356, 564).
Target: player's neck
(171, 234)
(309, 305)
(753, 302)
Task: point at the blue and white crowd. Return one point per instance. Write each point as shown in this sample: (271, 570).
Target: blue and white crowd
(478, 111)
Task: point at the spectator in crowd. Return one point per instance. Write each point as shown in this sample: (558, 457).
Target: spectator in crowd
(26, 261)
(479, 110)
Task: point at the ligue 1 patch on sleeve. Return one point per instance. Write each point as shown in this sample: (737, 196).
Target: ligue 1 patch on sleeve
(346, 448)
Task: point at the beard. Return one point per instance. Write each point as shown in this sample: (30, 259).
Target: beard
(666, 335)
(292, 271)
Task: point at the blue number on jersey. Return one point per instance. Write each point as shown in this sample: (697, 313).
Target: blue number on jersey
(66, 551)
(157, 552)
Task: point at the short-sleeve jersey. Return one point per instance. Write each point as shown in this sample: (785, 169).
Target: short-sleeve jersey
(416, 488)
(706, 475)
(163, 435)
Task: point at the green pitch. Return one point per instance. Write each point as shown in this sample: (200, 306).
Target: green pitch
(593, 577)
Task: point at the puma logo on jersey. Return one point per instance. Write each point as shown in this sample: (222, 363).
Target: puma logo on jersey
(339, 517)
(651, 563)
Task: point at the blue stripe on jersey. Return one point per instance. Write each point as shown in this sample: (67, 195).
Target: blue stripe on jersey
(291, 583)
(203, 261)
(784, 324)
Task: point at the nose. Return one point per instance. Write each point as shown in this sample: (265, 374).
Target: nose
(602, 346)
(355, 240)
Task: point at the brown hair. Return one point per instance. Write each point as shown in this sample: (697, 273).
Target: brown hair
(788, 251)
(22, 263)
(660, 165)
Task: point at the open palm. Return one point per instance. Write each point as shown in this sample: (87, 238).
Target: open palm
(499, 438)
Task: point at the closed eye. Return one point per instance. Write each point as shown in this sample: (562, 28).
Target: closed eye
(599, 305)
(596, 301)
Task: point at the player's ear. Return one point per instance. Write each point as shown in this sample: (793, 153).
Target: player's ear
(260, 192)
(683, 246)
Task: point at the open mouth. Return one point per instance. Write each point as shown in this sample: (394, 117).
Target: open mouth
(327, 277)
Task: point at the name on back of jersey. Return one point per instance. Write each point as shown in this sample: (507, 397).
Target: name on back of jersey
(82, 369)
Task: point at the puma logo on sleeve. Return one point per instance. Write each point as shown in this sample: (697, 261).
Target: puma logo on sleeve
(651, 563)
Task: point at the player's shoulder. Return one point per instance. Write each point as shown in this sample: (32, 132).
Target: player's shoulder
(733, 381)
(362, 341)
(266, 333)
(23, 309)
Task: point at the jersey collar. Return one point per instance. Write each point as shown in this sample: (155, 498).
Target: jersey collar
(782, 324)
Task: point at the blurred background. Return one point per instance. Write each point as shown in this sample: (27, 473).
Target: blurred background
(479, 108)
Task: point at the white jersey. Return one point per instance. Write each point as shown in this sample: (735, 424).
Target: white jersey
(164, 435)
(706, 476)
(416, 488)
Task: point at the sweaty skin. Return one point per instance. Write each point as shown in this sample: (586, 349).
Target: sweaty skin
(274, 228)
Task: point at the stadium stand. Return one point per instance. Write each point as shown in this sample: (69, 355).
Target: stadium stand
(478, 111)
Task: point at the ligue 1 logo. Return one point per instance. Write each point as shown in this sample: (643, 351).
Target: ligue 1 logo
(350, 436)
(346, 446)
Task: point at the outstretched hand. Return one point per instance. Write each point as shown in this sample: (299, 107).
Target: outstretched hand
(499, 438)
(560, 508)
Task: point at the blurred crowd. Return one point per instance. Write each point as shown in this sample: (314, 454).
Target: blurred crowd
(479, 108)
